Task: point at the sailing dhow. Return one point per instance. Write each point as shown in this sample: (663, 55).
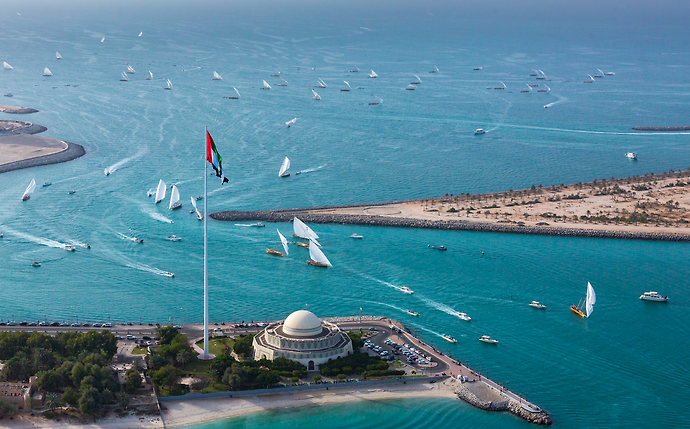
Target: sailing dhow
(284, 242)
(301, 230)
(316, 96)
(160, 191)
(216, 76)
(130, 70)
(174, 198)
(198, 215)
(590, 300)
(124, 77)
(290, 122)
(29, 190)
(266, 85)
(232, 97)
(58, 56)
(150, 76)
(169, 84)
(283, 168)
(348, 87)
(417, 82)
(6, 66)
(318, 259)
(47, 72)
(373, 75)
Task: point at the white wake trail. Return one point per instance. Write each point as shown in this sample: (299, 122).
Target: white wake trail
(40, 240)
(113, 168)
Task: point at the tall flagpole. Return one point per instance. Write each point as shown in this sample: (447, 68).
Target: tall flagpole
(205, 250)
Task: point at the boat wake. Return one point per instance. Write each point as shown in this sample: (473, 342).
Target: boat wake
(40, 240)
(113, 168)
(431, 331)
(78, 243)
(442, 307)
(560, 100)
(387, 305)
(157, 216)
(383, 282)
(310, 170)
(144, 267)
(126, 237)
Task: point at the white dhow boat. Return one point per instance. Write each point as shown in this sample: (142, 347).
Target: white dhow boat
(449, 338)
(373, 75)
(130, 70)
(406, 290)
(198, 215)
(290, 122)
(487, 339)
(160, 191)
(318, 259)
(355, 71)
(541, 75)
(464, 316)
(600, 75)
(123, 77)
(103, 39)
(529, 89)
(168, 84)
(284, 168)
(631, 155)
(479, 131)
(346, 89)
(653, 296)
(174, 198)
(376, 102)
(29, 190)
(6, 66)
(436, 70)
(284, 242)
(301, 230)
(285, 83)
(316, 96)
(216, 76)
(416, 82)
(47, 72)
(501, 87)
(266, 85)
(58, 56)
(412, 313)
(321, 84)
(544, 90)
(591, 79)
(150, 76)
(590, 300)
(536, 304)
(232, 97)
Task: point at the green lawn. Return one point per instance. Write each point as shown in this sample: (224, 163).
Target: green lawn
(216, 346)
(140, 350)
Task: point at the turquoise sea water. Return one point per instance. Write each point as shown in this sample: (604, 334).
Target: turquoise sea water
(627, 357)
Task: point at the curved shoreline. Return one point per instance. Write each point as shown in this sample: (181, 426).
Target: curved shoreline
(72, 152)
(286, 215)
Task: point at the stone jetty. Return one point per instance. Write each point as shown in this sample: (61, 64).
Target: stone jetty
(480, 395)
(683, 128)
(306, 215)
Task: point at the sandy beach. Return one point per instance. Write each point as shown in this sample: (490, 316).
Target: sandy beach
(183, 413)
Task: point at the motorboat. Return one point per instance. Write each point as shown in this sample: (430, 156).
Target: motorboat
(356, 236)
(653, 296)
(412, 313)
(536, 304)
(36, 264)
(406, 290)
(631, 155)
(479, 131)
(47, 184)
(443, 248)
(138, 240)
(199, 198)
(449, 338)
(167, 274)
(464, 316)
(69, 248)
(72, 191)
(477, 68)
(487, 339)
(258, 224)
(174, 238)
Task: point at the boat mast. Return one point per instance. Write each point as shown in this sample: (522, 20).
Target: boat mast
(205, 356)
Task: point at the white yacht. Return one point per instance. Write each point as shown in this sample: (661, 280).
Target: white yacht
(631, 155)
(479, 131)
(464, 316)
(413, 313)
(356, 236)
(449, 338)
(174, 238)
(407, 290)
(653, 296)
(536, 304)
(487, 339)
(69, 248)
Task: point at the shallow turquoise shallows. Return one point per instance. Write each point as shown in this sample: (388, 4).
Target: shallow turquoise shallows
(625, 366)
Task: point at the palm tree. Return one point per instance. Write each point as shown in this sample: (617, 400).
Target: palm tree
(183, 357)
(52, 401)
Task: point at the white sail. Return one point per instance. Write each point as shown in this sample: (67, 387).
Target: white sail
(169, 84)
(266, 85)
(238, 93)
(303, 231)
(6, 66)
(316, 96)
(30, 188)
(323, 83)
(317, 255)
(150, 75)
(291, 121)
(284, 242)
(198, 215)
(130, 70)
(284, 167)
(418, 79)
(174, 196)
(47, 72)
(216, 76)
(140, 33)
(58, 56)
(103, 39)
(160, 191)
(124, 77)
(373, 74)
(591, 299)
(348, 85)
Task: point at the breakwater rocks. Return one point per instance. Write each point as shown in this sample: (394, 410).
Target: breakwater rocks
(17, 110)
(662, 128)
(507, 404)
(73, 151)
(305, 215)
(20, 127)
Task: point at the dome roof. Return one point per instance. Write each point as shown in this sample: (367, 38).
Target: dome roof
(302, 323)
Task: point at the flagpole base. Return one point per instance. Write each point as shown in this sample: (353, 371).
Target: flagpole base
(202, 356)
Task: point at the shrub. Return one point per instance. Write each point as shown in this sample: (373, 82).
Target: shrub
(341, 376)
(294, 379)
(316, 377)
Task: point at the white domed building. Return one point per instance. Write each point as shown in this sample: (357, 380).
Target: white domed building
(304, 338)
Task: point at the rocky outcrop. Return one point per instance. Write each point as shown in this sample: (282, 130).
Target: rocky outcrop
(305, 215)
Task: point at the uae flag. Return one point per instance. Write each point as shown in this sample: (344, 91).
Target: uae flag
(214, 158)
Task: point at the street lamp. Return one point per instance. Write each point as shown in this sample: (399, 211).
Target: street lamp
(360, 315)
(180, 315)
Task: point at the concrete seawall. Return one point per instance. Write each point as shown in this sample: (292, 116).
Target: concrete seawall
(286, 215)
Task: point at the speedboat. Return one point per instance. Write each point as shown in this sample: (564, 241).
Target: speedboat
(631, 155)
(487, 339)
(258, 224)
(174, 238)
(36, 264)
(438, 247)
(47, 184)
(356, 236)
(653, 296)
(413, 313)
(449, 338)
(72, 191)
(199, 198)
(464, 316)
(479, 131)
(407, 290)
(168, 274)
(536, 304)
(138, 240)
(69, 248)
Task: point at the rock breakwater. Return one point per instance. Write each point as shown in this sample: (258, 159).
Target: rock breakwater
(507, 404)
(683, 128)
(308, 216)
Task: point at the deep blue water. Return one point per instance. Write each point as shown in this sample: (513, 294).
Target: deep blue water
(628, 356)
